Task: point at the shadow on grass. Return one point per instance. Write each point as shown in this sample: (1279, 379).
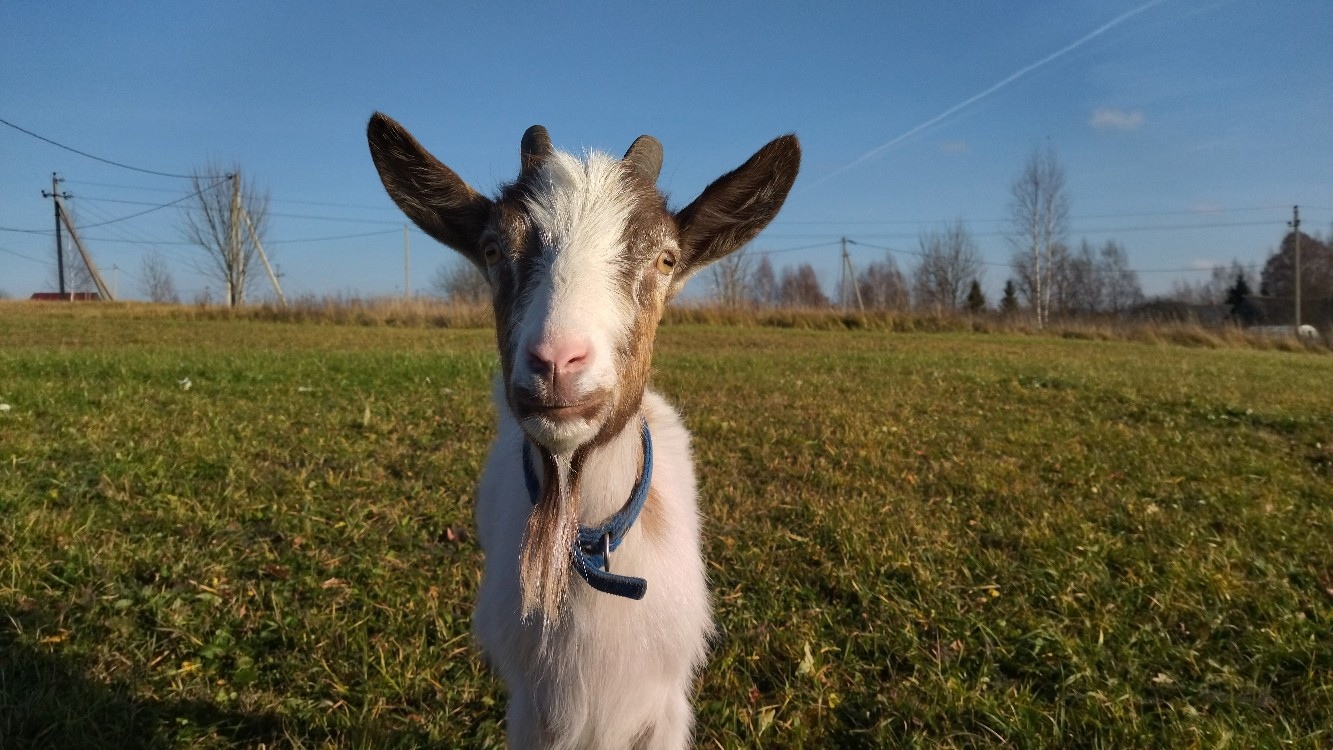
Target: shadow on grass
(47, 701)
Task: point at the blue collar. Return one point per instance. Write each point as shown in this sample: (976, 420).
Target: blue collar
(592, 550)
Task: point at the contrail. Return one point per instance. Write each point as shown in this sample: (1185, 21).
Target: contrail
(1114, 22)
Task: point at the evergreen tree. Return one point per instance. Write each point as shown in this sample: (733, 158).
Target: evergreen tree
(1009, 302)
(976, 299)
(1238, 293)
(1243, 311)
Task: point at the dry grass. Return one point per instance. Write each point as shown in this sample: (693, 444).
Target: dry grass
(424, 312)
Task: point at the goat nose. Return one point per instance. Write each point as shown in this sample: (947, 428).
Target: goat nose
(560, 355)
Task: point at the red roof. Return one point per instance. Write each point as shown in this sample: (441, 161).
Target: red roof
(66, 297)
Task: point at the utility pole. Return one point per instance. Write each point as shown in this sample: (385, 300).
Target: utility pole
(849, 276)
(1295, 225)
(842, 277)
(55, 195)
(235, 273)
(407, 266)
(102, 289)
(263, 256)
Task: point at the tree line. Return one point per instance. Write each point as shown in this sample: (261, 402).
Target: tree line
(1050, 276)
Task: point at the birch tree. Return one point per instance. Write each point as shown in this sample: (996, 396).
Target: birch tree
(1038, 223)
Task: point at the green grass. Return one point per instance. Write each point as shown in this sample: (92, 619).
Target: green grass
(915, 540)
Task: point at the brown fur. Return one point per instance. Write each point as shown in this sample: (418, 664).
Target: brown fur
(652, 520)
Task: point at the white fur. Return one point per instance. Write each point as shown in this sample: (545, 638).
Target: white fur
(587, 669)
(614, 670)
(579, 212)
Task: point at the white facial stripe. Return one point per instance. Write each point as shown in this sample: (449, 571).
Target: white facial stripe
(579, 211)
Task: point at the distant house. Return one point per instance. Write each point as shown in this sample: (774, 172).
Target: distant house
(66, 297)
(1281, 311)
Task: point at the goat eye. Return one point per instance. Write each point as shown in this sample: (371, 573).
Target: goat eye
(491, 252)
(666, 263)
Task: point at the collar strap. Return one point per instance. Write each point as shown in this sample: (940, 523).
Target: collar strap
(591, 554)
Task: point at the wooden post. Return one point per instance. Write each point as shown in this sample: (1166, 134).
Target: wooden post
(83, 252)
(254, 237)
(235, 264)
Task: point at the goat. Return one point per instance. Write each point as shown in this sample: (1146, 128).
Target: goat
(582, 256)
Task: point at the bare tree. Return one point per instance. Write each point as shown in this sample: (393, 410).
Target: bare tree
(800, 288)
(1278, 278)
(1061, 282)
(764, 284)
(883, 286)
(1120, 283)
(460, 281)
(1190, 292)
(77, 277)
(155, 280)
(950, 260)
(1213, 290)
(215, 222)
(730, 279)
(1039, 222)
(1085, 282)
(1086, 290)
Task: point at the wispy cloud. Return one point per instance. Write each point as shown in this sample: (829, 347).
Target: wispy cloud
(1106, 118)
(955, 147)
(1056, 55)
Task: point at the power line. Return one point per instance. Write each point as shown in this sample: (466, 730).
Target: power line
(121, 187)
(25, 257)
(1136, 215)
(91, 156)
(127, 240)
(343, 219)
(162, 206)
(336, 237)
(791, 249)
(1086, 231)
(155, 207)
(993, 264)
(131, 233)
(293, 201)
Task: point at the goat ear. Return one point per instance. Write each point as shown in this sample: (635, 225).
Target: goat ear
(432, 195)
(736, 207)
(645, 157)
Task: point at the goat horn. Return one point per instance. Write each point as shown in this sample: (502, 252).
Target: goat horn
(645, 157)
(536, 147)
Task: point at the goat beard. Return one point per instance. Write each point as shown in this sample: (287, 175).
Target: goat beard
(548, 540)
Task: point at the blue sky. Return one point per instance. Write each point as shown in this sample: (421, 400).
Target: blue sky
(1187, 128)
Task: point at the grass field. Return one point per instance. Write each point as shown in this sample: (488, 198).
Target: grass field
(241, 533)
